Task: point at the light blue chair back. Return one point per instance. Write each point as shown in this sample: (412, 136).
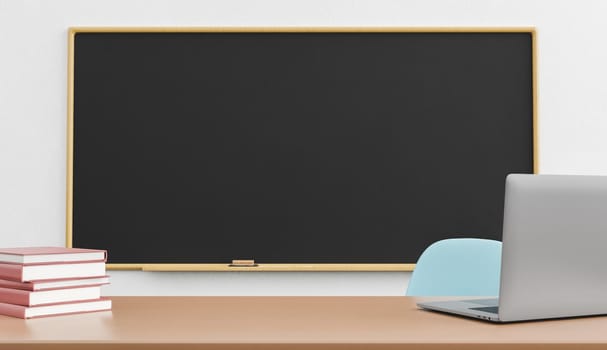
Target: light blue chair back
(458, 266)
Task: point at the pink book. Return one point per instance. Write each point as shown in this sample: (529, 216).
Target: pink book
(28, 273)
(29, 298)
(55, 283)
(50, 255)
(21, 311)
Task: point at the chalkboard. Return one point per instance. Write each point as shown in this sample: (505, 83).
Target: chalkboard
(295, 148)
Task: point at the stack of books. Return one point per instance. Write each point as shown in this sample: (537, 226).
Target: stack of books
(46, 281)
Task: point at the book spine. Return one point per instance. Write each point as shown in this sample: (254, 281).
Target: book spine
(11, 272)
(15, 296)
(17, 285)
(12, 310)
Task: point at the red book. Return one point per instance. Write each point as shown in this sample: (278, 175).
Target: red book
(48, 255)
(21, 311)
(27, 273)
(29, 298)
(56, 284)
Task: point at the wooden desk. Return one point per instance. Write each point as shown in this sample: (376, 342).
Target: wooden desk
(289, 323)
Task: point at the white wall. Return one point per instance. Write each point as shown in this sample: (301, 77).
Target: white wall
(33, 74)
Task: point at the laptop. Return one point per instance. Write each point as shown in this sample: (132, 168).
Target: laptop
(554, 252)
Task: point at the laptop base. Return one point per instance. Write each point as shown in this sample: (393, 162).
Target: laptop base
(481, 309)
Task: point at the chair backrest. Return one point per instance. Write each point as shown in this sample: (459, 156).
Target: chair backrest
(458, 266)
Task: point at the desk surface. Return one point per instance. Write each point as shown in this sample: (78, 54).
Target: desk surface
(289, 322)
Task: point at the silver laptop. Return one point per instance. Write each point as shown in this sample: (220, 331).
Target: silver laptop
(554, 251)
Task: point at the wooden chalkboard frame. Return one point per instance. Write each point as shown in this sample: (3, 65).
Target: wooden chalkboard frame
(267, 267)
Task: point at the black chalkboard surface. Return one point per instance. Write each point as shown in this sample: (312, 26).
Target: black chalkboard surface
(293, 147)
